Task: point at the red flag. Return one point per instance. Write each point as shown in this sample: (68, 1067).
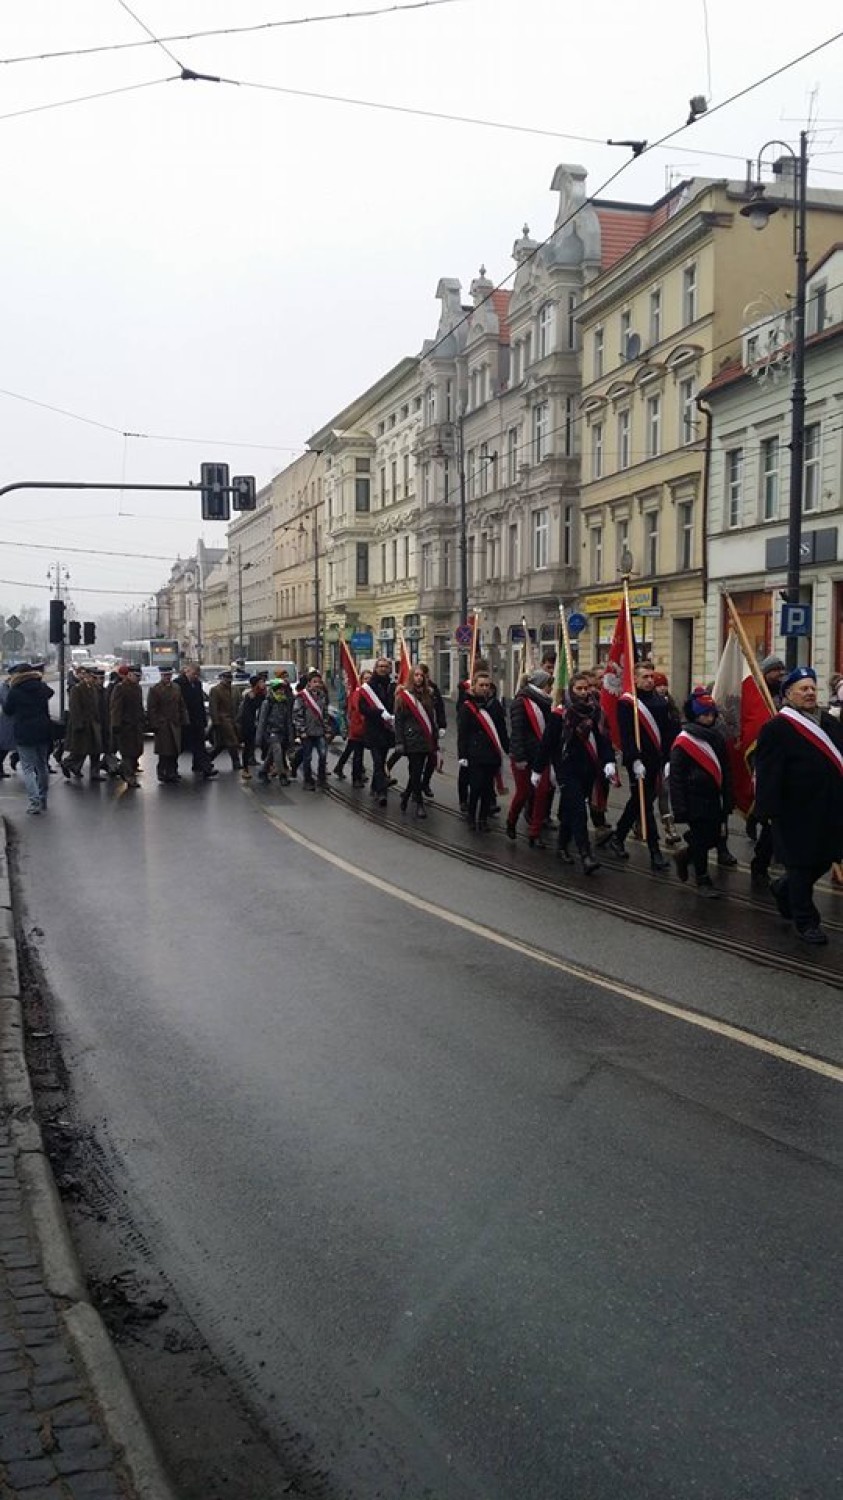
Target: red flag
(744, 711)
(405, 666)
(348, 669)
(619, 672)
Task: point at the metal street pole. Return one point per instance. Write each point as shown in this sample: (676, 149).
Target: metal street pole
(240, 647)
(316, 599)
(463, 619)
(797, 420)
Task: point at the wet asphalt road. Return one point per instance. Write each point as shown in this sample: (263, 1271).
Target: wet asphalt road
(460, 1226)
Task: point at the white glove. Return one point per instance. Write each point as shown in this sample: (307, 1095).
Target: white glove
(388, 718)
(639, 770)
(609, 770)
(535, 777)
(666, 772)
(462, 763)
(441, 734)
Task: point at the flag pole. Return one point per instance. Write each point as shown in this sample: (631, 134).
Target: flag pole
(563, 647)
(526, 637)
(630, 652)
(475, 627)
(738, 627)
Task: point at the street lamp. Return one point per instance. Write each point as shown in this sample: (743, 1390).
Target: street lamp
(241, 569)
(759, 210)
(316, 599)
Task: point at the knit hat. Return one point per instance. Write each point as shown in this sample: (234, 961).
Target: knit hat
(700, 703)
(123, 670)
(540, 679)
(771, 664)
(798, 675)
(659, 679)
(275, 683)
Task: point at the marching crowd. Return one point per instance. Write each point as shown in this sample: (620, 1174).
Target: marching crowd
(563, 756)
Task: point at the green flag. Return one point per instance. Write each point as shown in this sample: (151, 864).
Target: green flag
(560, 680)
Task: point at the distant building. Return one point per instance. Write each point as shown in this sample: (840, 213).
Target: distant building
(749, 487)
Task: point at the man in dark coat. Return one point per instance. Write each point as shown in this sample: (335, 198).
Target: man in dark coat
(27, 706)
(645, 763)
(167, 717)
(84, 728)
(575, 745)
(195, 731)
(377, 701)
(700, 787)
(221, 705)
(482, 742)
(528, 715)
(799, 787)
(127, 722)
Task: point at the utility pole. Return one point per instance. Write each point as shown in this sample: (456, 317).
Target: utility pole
(61, 574)
(316, 599)
(463, 620)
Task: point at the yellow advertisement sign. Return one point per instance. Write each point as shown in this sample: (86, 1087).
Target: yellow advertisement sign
(607, 604)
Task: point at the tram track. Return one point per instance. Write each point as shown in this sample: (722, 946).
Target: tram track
(822, 968)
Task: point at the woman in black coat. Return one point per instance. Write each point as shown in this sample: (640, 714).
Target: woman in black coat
(482, 742)
(700, 787)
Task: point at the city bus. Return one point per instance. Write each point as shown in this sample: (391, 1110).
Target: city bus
(150, 653)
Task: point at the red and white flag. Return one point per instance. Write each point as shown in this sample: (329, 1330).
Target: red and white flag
(348, 669)
(744, 711)
(619, 672)
(405, 666)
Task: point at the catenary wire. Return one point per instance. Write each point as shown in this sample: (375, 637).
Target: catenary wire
(191, 36)
(158, 437)
(156, 40)
(34, 109)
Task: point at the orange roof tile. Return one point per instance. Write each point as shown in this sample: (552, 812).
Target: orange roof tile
(500, 302)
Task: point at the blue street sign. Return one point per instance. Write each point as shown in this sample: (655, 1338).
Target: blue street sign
(796, 619)
(362, 640)
(577, 623)
(464, 635)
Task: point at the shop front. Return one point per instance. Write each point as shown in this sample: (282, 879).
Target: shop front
(601, 610)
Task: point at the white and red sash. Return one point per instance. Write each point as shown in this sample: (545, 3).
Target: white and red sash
(373, 698)
(815, 736)
(703, 753)
(312, 704)
(535, 716)
(645, 717)
(484, 718)
(420, 715)
(591, 745)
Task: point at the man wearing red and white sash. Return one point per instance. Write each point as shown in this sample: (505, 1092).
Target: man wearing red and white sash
(645, 763)
(799, 787)
(482, 742)
(416, 734)
(579, 752)
(700, 787)
(376, 702)
(529, 712)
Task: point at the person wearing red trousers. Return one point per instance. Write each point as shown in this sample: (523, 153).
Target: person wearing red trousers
(528, 715)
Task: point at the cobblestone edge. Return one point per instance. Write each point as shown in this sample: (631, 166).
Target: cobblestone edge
(122, 1418)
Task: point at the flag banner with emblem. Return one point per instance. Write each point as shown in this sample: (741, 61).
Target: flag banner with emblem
(743, 713)
(349, 675)
(560, 676)
(619, 672)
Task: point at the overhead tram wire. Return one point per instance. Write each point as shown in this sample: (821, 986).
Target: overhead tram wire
(191, 36)
(157, 437)
(156, 40)
(35, 109)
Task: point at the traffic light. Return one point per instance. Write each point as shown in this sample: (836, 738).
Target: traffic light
(74, 633)
(245, 495)
(216, 505)
(57, 609)
(89, 632)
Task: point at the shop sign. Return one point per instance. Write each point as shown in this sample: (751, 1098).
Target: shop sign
(605, 604)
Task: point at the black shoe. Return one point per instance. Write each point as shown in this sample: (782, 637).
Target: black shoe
(494, 810)
(210, 774)
(510, 830)
(813, 935)
(464, 807)
(340, 775)
(392, 781)
(589, 864)
(614, 846)
(382, 800)
(706, 888)
(726, 859)
(420, 810)
(564, 854)
(14, 760)
(658, 862)
(428, 792)
(65, 771)
(358, 783)
(404, 800)
(538, 843)
(310, 784)
(483, 825)
(682, 859)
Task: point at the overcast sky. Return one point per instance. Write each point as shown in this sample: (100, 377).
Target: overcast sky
(233, 264)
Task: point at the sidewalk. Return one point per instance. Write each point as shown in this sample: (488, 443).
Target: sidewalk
(70, 1427)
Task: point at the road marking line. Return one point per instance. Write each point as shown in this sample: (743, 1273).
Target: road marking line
(576, 971)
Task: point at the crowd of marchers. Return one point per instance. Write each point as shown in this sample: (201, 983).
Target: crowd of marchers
(564, 757)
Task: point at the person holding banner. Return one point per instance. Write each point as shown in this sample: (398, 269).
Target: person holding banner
(700, 787)
(799, 788)
(645, 761)
(528, 715)
(416, 734)
(579, 752)
(482, 742)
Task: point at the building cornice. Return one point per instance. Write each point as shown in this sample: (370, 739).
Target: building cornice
(616, 285)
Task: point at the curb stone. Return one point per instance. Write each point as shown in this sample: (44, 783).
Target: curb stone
(123, 1422)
